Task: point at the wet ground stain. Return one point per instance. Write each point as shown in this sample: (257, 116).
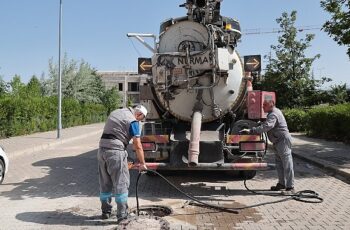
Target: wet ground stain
(208, 218)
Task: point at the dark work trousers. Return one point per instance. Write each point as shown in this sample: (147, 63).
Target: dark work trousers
(114, 180)
(284, 161)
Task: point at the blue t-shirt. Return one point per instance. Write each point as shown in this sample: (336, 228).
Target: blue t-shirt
(134, 129)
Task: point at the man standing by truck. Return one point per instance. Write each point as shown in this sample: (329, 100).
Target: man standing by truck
(122, 125)
(278, 133)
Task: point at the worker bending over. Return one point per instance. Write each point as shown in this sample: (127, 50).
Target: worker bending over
(122, 125)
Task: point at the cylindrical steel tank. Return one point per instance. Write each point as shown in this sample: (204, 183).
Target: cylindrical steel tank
(220, 93)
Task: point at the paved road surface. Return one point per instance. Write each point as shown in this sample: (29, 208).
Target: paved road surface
(57, 188)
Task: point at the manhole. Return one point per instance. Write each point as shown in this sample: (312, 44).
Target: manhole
(153, 210)
(144, 222)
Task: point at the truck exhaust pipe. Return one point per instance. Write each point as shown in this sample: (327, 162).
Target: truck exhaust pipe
(193, 149)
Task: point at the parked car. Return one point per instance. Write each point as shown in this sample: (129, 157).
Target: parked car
(4, 164)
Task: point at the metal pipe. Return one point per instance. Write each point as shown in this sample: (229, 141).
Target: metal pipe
(59, 83)
(211, 166)
(139, 38)
(193, 149)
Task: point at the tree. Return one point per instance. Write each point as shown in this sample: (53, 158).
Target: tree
(79, 81)
(18, 88)
(338, 26)
(338, 94)
(111, 99)
(3, 87)
(289, 73)
(34, 88)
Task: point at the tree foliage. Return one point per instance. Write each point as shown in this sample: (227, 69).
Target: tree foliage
(111, 99)
(338, 26)
(289, 72)
(3, 87)
(18, 88)
(79, 81)
(34, 87)
(338, 94)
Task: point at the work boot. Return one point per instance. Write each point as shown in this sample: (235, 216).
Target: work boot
(278, 187)
(121, 219)
(105, 215)
(289, 191)
(122, 211)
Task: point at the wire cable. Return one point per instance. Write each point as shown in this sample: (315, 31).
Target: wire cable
(137, 51)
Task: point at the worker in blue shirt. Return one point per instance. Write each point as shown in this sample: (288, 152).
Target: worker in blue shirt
(122, 125)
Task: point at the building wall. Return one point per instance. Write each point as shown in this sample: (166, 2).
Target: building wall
(127, 83)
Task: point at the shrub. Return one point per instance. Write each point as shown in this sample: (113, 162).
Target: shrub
(296, 119)
(20, 116)
(330, 122)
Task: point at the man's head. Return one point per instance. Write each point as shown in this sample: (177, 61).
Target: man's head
(268, 105)
(140, 112)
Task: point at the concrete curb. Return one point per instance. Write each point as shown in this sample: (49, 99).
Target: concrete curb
(41, 147)
(333, 168)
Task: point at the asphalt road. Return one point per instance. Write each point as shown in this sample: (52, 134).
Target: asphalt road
(58, 189)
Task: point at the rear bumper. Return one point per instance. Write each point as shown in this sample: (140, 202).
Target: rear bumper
(210, 166)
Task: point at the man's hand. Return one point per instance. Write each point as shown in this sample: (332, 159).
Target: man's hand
(245, 131)
(142, 167)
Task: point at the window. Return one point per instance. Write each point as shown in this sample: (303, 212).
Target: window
(133, 87)
(120, 86)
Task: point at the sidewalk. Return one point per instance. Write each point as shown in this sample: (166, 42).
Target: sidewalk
(330, 155)
(16, 146)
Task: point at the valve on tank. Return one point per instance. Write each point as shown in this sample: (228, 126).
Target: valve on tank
(205, 11)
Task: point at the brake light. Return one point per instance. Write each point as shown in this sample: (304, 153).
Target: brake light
(149, 146)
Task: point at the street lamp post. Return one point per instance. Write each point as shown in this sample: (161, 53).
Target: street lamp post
(59, 83)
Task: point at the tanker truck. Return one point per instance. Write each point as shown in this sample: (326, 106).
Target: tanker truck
(199, 97)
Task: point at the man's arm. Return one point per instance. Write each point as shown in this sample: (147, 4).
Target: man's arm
(265, 126)
(138, 149)
(135, 131)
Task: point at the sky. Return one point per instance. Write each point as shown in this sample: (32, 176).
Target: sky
(95, 31)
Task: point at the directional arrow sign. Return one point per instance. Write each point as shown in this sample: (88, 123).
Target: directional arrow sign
(252, 63)
(145, 66)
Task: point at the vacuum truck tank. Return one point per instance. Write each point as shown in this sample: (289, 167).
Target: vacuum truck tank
(197, 95)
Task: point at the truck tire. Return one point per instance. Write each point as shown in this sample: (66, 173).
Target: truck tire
(247, 174)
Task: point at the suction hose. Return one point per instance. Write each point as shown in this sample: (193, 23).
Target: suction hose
(306, 196)
(193, 149)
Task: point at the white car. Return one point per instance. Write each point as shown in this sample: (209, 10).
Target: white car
(4, 164)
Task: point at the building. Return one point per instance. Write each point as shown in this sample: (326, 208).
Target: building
(127, 82)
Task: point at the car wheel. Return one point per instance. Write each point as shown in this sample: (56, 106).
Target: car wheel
(2, 171)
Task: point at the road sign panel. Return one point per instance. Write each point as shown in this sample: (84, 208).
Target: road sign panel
(145, 66)
(252, 63)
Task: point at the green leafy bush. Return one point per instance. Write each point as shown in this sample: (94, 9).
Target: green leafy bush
(331, 122)
(296, 119)
(20, 116)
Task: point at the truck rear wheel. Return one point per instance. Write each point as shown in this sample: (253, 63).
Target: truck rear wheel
(247, 174)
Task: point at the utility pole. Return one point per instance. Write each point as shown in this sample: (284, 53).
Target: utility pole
(59, 83)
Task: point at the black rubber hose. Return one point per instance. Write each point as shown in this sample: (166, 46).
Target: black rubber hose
(231, 210)
(307, 196)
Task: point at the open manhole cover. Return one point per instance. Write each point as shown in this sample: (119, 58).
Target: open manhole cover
(153, 210)
(150, 217)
